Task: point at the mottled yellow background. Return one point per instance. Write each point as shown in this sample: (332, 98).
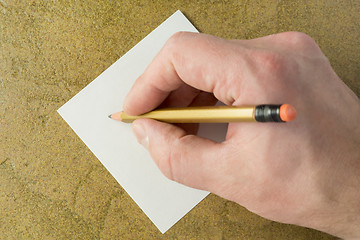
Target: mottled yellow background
(51, 185)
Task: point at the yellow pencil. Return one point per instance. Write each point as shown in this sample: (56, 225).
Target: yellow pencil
(216, 114)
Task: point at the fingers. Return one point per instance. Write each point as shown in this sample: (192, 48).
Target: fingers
(222, 67)
(198, 60)
(186, 159)
(181, 97)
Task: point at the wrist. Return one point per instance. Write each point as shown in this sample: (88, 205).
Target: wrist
(333, 205)
(343, 204)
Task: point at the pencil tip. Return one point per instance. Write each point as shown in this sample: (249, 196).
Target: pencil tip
(116, 116)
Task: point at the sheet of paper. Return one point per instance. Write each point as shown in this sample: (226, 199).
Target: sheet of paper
(162, 200)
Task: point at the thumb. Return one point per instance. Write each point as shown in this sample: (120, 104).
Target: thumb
(187, 159)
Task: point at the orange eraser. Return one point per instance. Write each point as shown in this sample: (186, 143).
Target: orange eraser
(287, 112)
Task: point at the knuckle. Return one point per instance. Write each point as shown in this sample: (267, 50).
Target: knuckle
(168, 169)
(177, 35)
(173, 41)
(298, 39)
(176, 160)
(172, 48)
(269, 62)
(301, 37)
(165, 164)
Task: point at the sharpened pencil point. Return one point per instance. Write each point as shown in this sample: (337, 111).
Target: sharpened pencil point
(109, 116)
(116, 116)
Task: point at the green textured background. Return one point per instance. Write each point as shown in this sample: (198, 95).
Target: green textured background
(51, 185)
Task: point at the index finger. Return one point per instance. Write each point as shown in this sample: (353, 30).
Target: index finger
(187, 58)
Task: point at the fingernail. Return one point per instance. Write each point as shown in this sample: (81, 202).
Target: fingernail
(140, 134)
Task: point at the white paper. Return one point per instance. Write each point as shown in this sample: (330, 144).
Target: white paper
(162, 200)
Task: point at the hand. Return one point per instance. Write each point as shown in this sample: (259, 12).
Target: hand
(305, 172)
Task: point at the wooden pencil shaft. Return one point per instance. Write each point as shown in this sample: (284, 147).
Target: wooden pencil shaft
(214, 114)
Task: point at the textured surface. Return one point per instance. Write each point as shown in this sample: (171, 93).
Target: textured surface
(51, 185)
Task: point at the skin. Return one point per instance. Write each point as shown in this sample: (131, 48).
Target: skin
(305, 172)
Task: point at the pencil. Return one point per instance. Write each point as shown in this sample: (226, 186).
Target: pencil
(216, 114)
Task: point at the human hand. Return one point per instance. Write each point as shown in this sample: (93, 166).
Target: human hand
(305, 172)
